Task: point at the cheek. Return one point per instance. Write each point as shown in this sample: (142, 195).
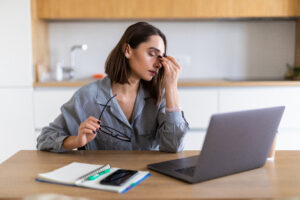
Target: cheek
(144, 60)
(148, 60)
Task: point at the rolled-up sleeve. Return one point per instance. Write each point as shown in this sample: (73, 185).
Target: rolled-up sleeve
(171, 131)
(66, 124)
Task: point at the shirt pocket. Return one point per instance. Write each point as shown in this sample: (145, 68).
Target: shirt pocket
(107, 142)
(145, 140)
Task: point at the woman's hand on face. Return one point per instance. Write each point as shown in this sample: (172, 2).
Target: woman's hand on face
(172, 69)
(87, 131)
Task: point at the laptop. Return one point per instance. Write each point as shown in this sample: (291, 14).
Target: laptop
(234, 142)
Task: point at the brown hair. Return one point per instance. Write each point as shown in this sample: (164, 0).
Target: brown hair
(117, 67)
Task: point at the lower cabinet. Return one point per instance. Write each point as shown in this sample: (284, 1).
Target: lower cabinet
(288, 140)
(193, 140)
(232, 99)
(16, 119)
(47, 103)
(198, 105)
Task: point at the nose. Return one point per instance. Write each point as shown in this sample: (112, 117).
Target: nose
(157, 64)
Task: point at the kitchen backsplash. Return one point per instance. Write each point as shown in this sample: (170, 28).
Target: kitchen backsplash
(205, 49)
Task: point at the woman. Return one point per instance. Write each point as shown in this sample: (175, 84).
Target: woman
(134, 108)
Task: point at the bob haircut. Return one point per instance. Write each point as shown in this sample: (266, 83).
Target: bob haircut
(117, 66)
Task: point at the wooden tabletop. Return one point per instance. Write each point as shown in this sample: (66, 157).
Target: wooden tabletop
(277, 179)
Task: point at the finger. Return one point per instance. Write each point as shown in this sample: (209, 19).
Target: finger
(81, 126)
(169, 62)
(173, 60)
(93, 123)
(93, 119)
(88, 131)
(171, 67)
(165, 65)
(91, 126)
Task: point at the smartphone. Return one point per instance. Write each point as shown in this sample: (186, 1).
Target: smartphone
(118, 177)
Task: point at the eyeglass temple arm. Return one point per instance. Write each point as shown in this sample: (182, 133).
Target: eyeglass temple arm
(106, 105)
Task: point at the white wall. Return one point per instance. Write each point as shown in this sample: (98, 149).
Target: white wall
(15, 44)
(16, 93)
(215, 49)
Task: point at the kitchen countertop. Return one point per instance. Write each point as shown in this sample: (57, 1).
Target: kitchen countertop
(182, 83)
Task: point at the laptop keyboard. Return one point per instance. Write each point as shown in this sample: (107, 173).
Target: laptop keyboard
(187, 170)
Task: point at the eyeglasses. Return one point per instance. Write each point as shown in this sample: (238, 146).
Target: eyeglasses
(109, 130)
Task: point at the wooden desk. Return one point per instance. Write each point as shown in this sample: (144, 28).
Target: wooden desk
(277, 179)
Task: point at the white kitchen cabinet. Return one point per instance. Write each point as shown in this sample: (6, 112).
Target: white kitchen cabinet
(198, 105)
(240, 98)
(193, 140)
(15, 52)
(47, 103)
(286, 140)
(16, 119)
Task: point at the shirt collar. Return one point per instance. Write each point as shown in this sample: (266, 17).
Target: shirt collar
(104, 93)
(142, 95)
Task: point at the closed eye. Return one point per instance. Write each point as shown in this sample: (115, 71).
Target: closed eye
(152, 54)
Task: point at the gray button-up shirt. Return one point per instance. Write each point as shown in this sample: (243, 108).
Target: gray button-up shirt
(151, 128)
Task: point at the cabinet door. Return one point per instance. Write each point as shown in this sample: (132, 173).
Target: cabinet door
(16, 119)
(232, 99)
(198, 105)
(193, 140)
(166, 9)
(47, 103)
(15, 52)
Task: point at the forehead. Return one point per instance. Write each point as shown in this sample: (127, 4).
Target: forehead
(156, 42)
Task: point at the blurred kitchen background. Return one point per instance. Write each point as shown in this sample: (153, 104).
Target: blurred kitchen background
(231, 60)
(256, 49)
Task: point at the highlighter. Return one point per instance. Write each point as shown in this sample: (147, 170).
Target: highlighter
(93, 177)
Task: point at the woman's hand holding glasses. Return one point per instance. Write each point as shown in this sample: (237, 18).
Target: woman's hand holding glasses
(87, 131)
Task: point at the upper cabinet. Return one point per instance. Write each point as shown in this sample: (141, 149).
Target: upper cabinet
(165, 9)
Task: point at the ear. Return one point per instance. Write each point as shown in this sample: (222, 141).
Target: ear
(127, 50)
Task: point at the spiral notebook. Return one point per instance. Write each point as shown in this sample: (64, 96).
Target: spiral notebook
(76, 174)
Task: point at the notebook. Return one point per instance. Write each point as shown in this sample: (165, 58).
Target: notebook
(76, 174)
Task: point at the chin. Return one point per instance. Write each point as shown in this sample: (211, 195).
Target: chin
(148, 78)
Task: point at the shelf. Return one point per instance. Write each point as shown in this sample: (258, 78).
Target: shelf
(61, 84)
(181, 83)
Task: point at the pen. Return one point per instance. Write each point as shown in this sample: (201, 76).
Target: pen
(97, 172)
(93, 177)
